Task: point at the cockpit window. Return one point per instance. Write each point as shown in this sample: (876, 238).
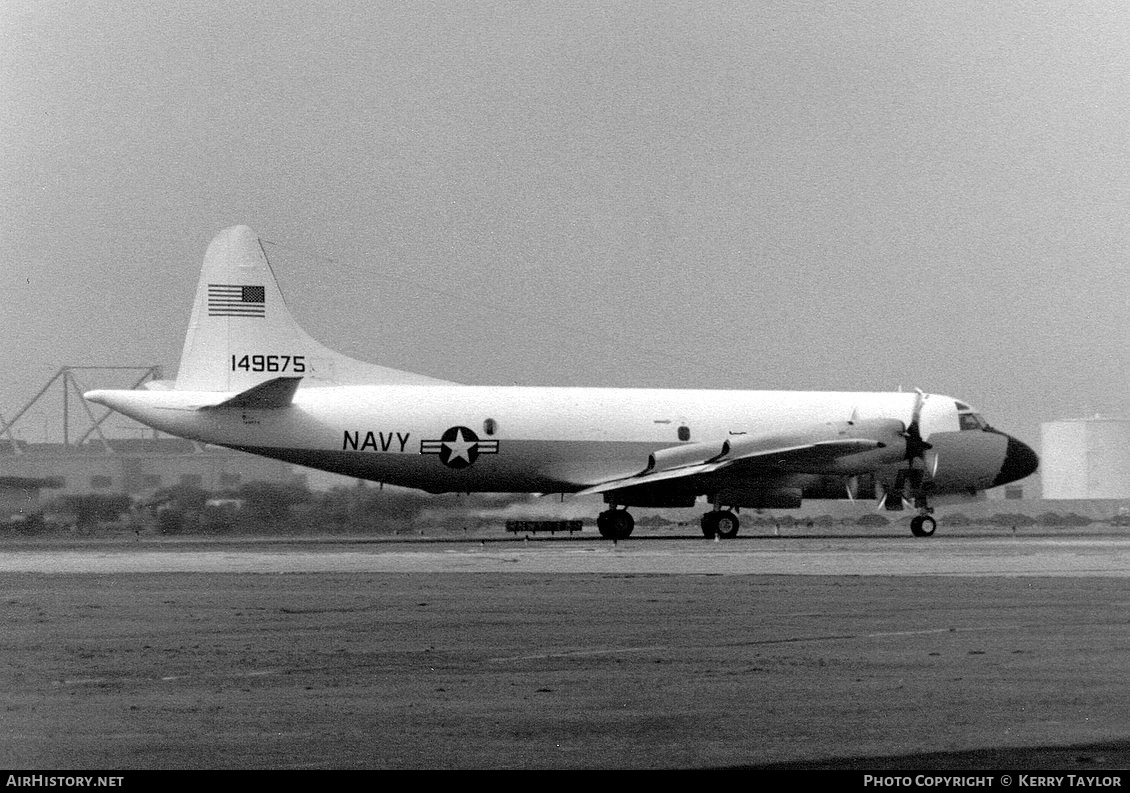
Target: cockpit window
(971, 421)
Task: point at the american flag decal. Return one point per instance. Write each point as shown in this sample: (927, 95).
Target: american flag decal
(236, 300)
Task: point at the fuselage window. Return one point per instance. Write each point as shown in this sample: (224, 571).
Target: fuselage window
(684, 433)
(490, 426)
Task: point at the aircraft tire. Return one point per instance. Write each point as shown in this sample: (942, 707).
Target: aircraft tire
(727, 524)
(622, 524)
(604, 524)
(923, 526)
(709, 525)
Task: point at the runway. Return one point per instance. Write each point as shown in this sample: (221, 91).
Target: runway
(975, 651)
(963, 555)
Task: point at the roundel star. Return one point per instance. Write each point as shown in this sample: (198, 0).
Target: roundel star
(459, 448)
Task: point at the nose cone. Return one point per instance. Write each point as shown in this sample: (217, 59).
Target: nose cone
(1019, 462)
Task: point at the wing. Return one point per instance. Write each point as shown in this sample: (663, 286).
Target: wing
(811, 449)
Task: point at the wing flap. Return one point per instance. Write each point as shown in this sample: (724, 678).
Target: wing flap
(649, 478)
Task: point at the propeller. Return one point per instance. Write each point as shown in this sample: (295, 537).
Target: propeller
(914, 453)
(916, 448)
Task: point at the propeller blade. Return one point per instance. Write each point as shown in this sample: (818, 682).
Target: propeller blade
(915, 445)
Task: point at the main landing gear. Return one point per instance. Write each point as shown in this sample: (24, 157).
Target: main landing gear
(615, 524)
(720, 523)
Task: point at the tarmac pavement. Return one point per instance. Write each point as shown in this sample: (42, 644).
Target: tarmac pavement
(970, 652)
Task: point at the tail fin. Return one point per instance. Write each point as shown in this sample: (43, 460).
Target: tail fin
(241, 333)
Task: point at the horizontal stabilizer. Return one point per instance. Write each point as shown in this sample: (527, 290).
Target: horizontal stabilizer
(273, 394)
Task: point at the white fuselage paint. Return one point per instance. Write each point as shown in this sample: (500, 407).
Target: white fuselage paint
(549, 439)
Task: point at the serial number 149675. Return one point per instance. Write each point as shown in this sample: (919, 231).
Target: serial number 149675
(269, 363)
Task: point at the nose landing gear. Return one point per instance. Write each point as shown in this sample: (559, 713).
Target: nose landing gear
(923, 524)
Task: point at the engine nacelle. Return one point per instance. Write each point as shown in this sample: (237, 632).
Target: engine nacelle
(681, 456)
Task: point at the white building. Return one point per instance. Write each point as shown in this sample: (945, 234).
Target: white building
(138, 467)
(1085, 458)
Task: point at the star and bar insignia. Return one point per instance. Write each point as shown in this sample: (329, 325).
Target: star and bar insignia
(458, 447)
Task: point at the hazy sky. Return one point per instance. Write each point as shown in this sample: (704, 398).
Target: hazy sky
(853, 195)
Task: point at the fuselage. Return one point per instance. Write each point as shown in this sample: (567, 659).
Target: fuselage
(533, 439)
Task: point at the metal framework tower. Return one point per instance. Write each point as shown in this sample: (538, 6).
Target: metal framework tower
(70, 386)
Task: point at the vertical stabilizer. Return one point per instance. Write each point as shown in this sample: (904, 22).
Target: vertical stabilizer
(242, 334)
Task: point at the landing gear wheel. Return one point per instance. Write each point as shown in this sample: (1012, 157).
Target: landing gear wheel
(923, 526)
(709, 525)
(615, 524)
(720, 523)
(727, 525)
(604, 523)
(623, 523)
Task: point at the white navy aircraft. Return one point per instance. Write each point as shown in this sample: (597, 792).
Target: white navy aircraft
(251, 379)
